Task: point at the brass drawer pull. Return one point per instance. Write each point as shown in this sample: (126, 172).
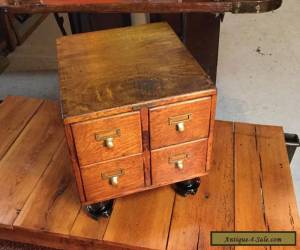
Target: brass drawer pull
(179, 121)
(179, 164)
(114, 180)
(178, 160)
(109, 142)
(180, 126)
(108, 137)
(113, 177)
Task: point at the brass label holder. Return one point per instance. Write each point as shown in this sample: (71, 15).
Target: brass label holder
(179, 157)
(106, 135)
(180, 118)
(108, 175)
(113, 177)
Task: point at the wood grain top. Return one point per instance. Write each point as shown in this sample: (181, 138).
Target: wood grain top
(125, 67)
(249, 187)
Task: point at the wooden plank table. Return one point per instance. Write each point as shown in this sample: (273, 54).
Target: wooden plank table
(249, 188)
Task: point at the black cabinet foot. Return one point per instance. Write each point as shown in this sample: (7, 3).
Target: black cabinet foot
(100, 209)
(188, 187)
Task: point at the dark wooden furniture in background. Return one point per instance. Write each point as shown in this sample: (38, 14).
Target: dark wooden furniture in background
(15, 29)
(198, 30)
(131, 6)
(249, 188)
(138, 110)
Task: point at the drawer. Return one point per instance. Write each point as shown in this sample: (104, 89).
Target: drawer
(112, 178)
(180, 122)
(108, 138)
(180, 162)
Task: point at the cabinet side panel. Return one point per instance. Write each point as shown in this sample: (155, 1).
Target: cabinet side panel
(211, 131)
(75, 165)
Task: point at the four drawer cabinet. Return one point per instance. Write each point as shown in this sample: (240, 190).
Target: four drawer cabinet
(137, 108)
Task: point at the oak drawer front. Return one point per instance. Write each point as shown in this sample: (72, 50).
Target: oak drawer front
(180, 122)
(112, 178)
(180, 162)
(108, 138)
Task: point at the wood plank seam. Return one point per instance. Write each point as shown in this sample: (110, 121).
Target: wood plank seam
(36, 184)
(233, 169)
(277, 175)
(25, 125)
(292, 220)
(217, 211)
(29, 156)
(99, 233)
(199, 232)
(291, 217)
(170, 223)
(261, 178)
(249, 200)
(71, 227)
(233, 174)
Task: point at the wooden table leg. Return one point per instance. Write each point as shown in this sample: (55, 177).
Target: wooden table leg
(201, 37)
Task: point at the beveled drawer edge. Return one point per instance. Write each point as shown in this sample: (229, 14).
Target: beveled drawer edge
(179, 144)
(137, 107)
(206, 98)
(145, 188)
(121, 115)
(111, 160)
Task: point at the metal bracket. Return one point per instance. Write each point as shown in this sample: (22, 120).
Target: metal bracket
(292, 142)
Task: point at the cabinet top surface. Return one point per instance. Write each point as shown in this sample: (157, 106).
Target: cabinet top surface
(127, 66)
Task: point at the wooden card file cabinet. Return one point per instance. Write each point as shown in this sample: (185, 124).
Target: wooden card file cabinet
(138, 110)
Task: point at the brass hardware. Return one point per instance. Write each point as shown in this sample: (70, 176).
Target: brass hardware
(108, 137)
(179, 121)
(178, 160)
(180, 126)
(109, 142)
(179, 164)
(113, 181)
(113, 177)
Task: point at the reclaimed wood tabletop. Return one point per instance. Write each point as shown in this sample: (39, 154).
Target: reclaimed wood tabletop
(249, 187)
